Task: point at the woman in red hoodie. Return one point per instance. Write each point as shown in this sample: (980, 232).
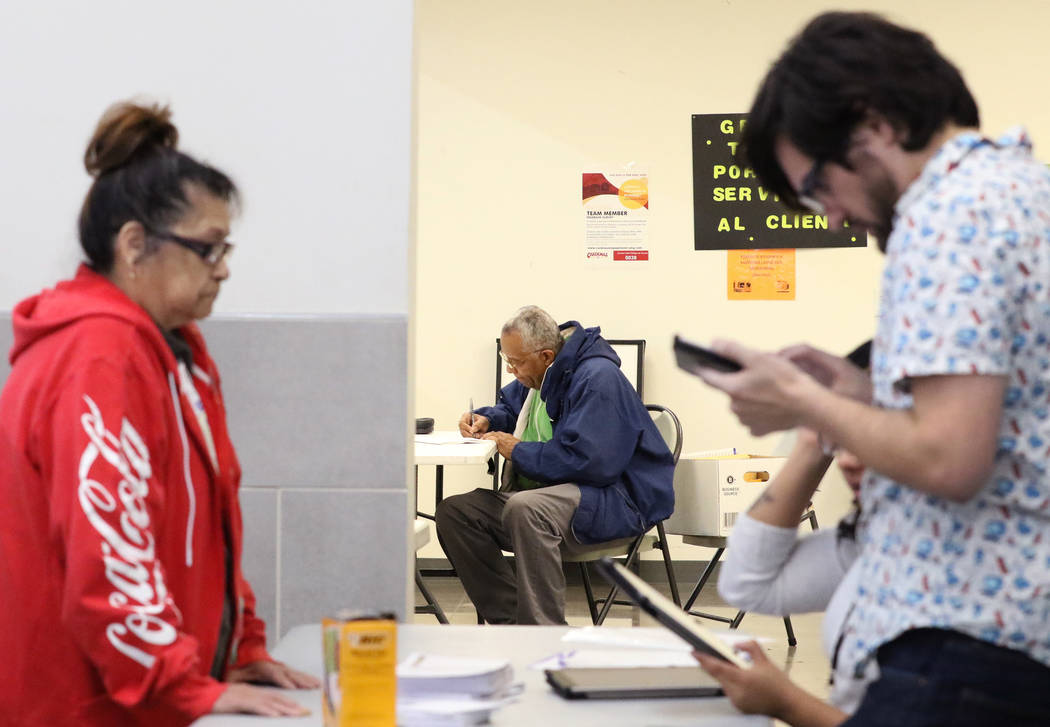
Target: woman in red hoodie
(120, 531)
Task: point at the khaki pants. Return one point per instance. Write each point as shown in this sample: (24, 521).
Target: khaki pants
(476, 527)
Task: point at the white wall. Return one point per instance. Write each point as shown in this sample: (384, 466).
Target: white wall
(516, 100)
(307, 105)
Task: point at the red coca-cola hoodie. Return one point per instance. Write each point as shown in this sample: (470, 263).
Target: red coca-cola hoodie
(115, 518)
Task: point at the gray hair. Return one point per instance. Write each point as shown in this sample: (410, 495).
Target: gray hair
(537, 329)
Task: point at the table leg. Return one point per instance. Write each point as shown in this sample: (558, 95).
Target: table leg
(439, 493)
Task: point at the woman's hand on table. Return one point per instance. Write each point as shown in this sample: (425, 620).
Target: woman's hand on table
(250, 699)
(275, 673)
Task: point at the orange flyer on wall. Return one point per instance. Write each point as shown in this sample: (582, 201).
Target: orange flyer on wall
(761, 274)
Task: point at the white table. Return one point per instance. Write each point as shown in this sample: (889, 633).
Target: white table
(478, 451)
(537, 705)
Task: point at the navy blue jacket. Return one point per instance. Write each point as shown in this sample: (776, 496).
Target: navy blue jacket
(603, 440)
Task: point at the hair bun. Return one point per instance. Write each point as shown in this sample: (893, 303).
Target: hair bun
(128, 130)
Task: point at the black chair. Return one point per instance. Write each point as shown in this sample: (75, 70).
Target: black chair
(671, 430)
(719, 543)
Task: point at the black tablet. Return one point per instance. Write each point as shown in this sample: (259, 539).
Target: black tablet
(692, 356)
(633, 683)
(663, 610)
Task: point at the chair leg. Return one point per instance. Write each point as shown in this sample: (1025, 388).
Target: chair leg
(790, 631)
(585, 576)
(672, 583)
(703, 578)
(610, 599)
(812, 517)
(432, 604)
(737, 619)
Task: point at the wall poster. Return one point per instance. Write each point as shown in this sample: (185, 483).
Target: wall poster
(616, 216)
(761, 274)
(731, 209)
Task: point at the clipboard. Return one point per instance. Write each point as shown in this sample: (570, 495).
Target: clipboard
(663, 610)
(632, 682)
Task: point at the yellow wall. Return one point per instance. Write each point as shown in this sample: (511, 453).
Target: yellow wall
(516, 100)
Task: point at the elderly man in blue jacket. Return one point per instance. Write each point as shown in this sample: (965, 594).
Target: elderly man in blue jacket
(585, 466)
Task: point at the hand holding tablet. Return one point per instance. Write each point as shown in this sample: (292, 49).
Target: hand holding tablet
(668, 614)
(691, 357)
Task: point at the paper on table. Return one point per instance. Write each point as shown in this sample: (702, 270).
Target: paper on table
(447, 711)
(615, 658)
(430, 666)
(421, 675)
(444, 438)
(646, 637)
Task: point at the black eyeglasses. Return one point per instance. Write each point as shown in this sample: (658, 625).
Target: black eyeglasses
(210, 252)
(812, 185)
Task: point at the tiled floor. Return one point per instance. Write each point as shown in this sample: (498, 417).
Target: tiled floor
(805, 662)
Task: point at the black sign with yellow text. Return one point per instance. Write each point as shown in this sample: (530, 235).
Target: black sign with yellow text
(732, 210)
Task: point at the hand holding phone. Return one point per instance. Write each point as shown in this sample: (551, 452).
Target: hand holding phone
(691, 357)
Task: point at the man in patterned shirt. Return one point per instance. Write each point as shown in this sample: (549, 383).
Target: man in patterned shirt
(865, 122)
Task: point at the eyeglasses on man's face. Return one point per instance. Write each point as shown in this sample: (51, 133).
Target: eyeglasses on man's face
(209, 252)
(514, 363)
(813, 185)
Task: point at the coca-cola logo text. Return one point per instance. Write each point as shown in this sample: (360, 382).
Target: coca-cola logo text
(128, 555)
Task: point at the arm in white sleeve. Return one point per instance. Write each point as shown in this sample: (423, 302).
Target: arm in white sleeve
(771, 570)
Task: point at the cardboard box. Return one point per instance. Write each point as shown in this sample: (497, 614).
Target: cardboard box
(711, 493)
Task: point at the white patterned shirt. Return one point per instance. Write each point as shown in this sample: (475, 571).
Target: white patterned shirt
(965, 291)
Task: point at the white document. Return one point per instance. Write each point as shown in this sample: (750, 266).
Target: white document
(646, 637)
(616, 659)
(447, 711)
(425, 675)
(445, 438)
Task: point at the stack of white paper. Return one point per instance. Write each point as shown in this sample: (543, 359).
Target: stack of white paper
(447, 711)
(435, 690)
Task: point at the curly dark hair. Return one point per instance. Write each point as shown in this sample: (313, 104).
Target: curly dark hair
(841, 67)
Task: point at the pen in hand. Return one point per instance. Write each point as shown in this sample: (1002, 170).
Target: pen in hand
(471, 410)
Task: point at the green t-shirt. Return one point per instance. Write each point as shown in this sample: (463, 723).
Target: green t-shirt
(537, 429)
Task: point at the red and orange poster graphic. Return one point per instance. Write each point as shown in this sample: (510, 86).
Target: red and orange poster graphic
(616, 216)
(761, 274)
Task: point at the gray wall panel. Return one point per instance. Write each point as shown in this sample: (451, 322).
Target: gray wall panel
(341, 549)
(315, 401)
(259, 556)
